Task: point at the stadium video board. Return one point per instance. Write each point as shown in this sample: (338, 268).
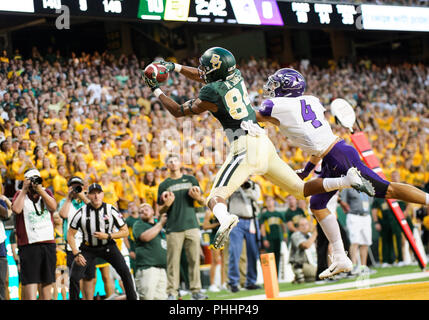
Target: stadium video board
(239, 12)
(252, 12)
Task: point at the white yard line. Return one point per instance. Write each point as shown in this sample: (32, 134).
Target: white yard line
(361, 284)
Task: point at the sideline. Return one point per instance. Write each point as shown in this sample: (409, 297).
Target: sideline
(342, 286)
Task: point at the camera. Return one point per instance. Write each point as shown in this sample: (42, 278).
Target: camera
(77, 189)
(247, 185)
(421, 213)
(36, 180)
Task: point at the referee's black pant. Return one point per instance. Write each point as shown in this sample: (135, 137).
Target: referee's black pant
(112, 255)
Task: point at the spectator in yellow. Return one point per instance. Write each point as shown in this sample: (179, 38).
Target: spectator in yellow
(6, 153)
(139, 165)
(47, 173)
(148, 189)
(39, 155)
(20, 164)
(98, 164)
(81, 169)
(81, 149)
(126, 190)
(153, 159)
(52, 154)
(59, 183)
(110, 194)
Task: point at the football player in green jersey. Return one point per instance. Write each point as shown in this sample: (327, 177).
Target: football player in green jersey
(251, 151)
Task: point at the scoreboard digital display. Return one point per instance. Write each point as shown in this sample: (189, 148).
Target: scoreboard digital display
(252, 12)
(239, 12)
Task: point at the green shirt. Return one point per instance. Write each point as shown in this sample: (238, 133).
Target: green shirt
(294, 216)
(387, 215)
(130, 222)
(181, 215)
(273, 224)
(152, 253)
(233, 103)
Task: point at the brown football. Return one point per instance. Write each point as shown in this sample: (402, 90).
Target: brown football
(156, 71)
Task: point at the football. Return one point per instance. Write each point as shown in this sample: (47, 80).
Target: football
(156, 71)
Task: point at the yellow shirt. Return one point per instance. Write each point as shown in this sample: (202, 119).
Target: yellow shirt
(127, 191)
(53, 159)
(48, 177)
(151, 163)
(281, 193)
(16, 164)
(88, 157)
(110, 195)
(99, 166)
(59, 183)
(140, 169)
(148, 193)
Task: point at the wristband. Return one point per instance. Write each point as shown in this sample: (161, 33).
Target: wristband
(75, 256)
(109, 236)
(177, 67)
(309, 166)
(157, 92)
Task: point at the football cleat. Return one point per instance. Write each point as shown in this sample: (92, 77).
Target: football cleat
(359, 183)
(225, 228)
(340, 263)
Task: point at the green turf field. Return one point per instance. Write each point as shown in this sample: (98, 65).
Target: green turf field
(381, 272)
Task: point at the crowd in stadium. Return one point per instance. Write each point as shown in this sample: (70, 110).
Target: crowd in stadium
(91, 115)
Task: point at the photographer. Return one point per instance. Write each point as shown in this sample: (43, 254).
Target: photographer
(243, 203)
(34, 207)
(301, 240)
(68, 207)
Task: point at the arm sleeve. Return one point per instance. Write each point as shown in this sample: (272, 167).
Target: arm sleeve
(118, 221)
(160, 191)
(138, 229)
(75, 222)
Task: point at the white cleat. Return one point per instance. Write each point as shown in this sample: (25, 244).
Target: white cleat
(340, 263)
(360, 183)
(225, 228)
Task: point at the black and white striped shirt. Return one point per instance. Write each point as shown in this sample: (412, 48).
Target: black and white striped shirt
(90, 220)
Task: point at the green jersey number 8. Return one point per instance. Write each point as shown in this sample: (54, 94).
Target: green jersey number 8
(237, 101)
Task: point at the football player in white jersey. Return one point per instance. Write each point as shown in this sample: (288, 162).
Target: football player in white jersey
(301, 119)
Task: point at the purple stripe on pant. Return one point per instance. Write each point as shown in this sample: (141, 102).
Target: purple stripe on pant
(336, 164)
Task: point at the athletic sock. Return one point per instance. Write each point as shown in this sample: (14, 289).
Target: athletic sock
(220, 211)
(331, 229)
(331, 184)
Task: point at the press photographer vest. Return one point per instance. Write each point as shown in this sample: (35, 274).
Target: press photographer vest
(37, 221)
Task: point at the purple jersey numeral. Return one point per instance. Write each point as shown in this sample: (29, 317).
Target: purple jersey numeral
(309, 115)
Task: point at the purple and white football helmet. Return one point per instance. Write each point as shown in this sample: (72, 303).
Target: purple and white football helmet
(284, 82)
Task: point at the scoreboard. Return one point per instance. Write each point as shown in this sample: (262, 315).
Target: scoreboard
(252, 12)
(347, 16)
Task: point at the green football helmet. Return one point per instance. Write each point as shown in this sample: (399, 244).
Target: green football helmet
(216, 64)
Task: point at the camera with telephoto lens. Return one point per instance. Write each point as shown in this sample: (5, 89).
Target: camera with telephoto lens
(77, 189)
(36, 180)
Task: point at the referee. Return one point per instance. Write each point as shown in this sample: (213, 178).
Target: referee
(97, 221)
